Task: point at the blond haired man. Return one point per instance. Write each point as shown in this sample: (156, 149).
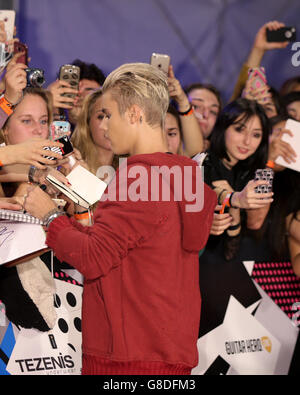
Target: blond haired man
(141, 302)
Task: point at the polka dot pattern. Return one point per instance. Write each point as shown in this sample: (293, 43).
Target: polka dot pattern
(279, 281)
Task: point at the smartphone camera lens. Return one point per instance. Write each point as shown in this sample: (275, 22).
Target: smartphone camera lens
(288, 34)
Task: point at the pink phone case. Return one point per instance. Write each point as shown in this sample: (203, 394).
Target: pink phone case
(259, 75)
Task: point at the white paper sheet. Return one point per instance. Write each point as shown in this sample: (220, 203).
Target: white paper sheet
(18, 239)
(294, 141)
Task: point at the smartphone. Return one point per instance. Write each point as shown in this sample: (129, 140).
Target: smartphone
(266, 175)
(70, 74)
(8, 17)
(286, 33)
(259, 75)
(59, 129)
(20, 47)
(161, 61)
(68, 147)
(65, 150)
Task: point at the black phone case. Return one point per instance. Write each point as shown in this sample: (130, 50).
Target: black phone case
(282, 34)
(68, 147)
(65, 150)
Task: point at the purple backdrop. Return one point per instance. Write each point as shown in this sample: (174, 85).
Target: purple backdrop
(208, 40)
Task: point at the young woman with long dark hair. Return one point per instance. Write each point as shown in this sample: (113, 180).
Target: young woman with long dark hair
(239, 146)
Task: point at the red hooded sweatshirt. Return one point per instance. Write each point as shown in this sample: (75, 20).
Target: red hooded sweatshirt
(141, 298)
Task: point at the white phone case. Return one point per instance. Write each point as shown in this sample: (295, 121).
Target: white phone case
(8, 16)
(161, 61)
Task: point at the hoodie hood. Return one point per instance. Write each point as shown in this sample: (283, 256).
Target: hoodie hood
(196, 201)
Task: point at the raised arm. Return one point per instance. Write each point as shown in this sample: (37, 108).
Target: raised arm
(259, 48)
(192, 135)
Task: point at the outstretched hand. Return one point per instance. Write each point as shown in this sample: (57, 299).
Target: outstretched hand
(248, 198)
(30, 152)
(10, 204)
(176, 91)
(261, 42)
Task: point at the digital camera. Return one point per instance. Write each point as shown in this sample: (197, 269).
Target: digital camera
(35, 77)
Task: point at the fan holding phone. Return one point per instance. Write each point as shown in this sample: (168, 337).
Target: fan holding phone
(75, 81)
(269, 37)
(256, 86)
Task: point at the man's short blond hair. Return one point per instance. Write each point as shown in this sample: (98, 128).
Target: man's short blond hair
(143, 85)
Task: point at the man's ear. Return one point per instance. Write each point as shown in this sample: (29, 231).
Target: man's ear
(135, 114)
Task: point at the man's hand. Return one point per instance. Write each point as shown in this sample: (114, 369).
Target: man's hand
(38, 203)
(10, 204)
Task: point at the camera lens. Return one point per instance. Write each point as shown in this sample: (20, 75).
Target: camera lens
(36, 78)
(40, 81)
